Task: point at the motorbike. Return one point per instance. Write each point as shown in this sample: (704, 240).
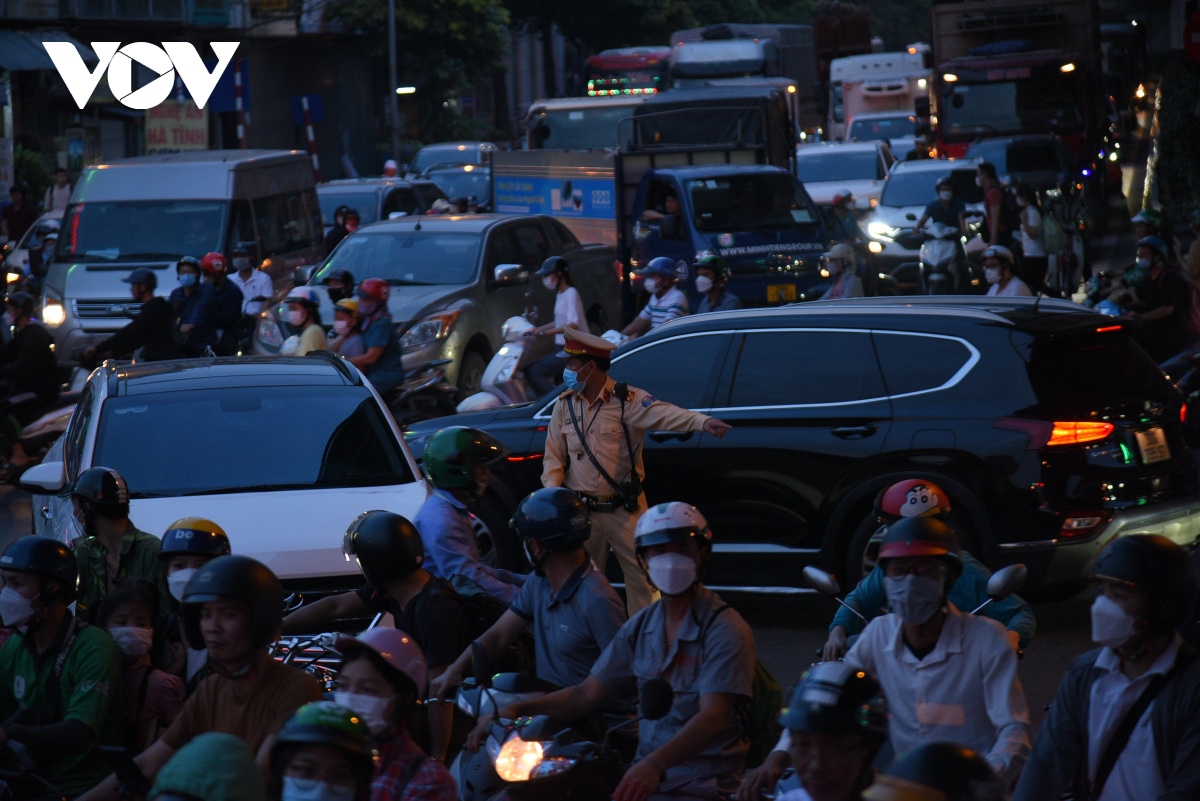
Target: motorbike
(424, 395)
(504, 382)
(942, 267)
(19, 778)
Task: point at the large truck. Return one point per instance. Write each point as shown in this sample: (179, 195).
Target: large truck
(1009, 67)
(734, 54)
(627, 71)
(873, 83)
(726, 154)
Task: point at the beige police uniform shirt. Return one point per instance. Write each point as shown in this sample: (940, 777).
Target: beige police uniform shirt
(566, 465)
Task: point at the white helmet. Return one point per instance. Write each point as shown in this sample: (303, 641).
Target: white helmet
(671, 522)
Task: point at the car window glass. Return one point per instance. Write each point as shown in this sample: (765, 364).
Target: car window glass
(283, 224)
(241, 224)
(534, 248)
(503, 249)
(820, 367)
(77, 432)
(566, 239)
(918, 363)
(675, 370)
(430, 192)
(1079, 375)
(404, 200)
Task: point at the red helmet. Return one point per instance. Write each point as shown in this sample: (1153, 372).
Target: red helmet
(919, 536)
(912, 498)
(375, 289)
(213, 263)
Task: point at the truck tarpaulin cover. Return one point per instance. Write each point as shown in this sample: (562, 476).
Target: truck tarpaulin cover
(707, 117)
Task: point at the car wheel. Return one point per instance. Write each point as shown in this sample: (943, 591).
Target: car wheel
(470, 373)
(497, 544)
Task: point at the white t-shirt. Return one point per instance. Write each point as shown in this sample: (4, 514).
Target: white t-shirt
(1015, 288)
(568, 311)
(259, 284)
(672, 304)
(1029, 245)
(57, 199)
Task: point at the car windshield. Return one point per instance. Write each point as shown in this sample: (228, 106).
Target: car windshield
(919, 187)
(837, 166)
(475, 184)
(144, 229)
(362, 202)
(441, 154)
(1045, 100)
(407, 257)
(577, 129)
(1009, 156)
(748, 202)
(872, 130)
(197, 442)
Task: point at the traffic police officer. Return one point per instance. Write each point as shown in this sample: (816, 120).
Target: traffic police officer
(594, 447)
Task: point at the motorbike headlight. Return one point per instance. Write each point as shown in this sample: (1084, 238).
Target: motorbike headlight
(517, 759)
(13, 278)
(881, 230)
(428, 331)
(53, 311)
(552, 766)
(269, 333)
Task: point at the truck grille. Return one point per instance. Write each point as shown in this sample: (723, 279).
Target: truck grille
(93, 309)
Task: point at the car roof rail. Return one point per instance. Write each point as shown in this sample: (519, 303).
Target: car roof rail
(111, 370)
(338, 363)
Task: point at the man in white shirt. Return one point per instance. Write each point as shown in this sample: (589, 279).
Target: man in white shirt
(256, 286)
(998, 270)
(1125, 724)
(666, 301)
(58, 195)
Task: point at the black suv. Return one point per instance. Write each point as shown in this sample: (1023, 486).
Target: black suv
(1050, 429)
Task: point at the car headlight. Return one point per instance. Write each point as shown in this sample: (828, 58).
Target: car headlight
(53, 311)
(875, 247)
(517, 759)
(269, 333)
(878, 229)
(552, 766)
(428, 331)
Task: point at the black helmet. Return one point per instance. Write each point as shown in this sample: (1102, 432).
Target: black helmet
(938, 772)
(243, 579)
(245, 246)
(103, 487)
(343, 275)
(1157, 567)
(194, 536)
(21, 300)
(555, 517)
(45, 557)
(920, 536)
(188, 261)
(385, 545)
(554, 264)
(835, 698)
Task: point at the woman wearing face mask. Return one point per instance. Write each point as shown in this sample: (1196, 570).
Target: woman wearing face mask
(304, 316)
(152, 697)
(382, 677)
(347, 340)
(998, 272)
(187, 546)
(321, 754)
(546, 373)
(1147, 591)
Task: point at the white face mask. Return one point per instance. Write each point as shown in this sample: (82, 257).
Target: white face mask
(372, 709)
(703, 283)
(296, 318)
(946, 195)
(341, 326)
(833, 267)
(15, 608)
(311, 790)
(1110, 625)
(132, 641)
(651, 285)
(992, 275)
(672, 573)
(178, 580)
(550, 282)
(978, 181)
(241, 264)
(914, 599)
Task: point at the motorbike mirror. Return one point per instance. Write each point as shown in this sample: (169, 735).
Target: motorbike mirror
(1006, 581)
(509, 275)
(821, 581)
(479, 664)
(293, 602)
(657, 696)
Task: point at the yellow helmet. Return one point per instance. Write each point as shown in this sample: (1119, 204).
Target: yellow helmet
(194, 536)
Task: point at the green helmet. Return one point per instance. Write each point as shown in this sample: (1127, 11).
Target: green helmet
(715, 263)
(325, 723)
(452, 453)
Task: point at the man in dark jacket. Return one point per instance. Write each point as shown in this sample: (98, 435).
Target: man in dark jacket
(1125, 724)
(193, 306)
(28, 375)
(152, 329)
(338, 232)
(227, 304)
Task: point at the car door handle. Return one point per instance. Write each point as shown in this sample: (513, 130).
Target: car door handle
(854, 432)
(664, 436)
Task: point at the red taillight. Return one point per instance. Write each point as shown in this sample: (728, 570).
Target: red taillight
(619, 269)
(1066, 433)
(1102, 329)
(1081, 524)
(1183, 413)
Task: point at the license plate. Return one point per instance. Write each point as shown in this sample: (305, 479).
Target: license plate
(1153, 445)
(781, 293)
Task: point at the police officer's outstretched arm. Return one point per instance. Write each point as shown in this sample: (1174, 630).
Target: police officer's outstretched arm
(647, 413)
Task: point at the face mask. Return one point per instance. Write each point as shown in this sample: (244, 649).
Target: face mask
(703, 284)
(15, 608)
(241, 264)
(914, 599)
(992, 274)
(573, 381)
(336, 294)
(131, 640)
(178, 580)
(373, 710)
(946, 195)
(651, 285)
(187, 280)
(308, 790)
(550, 282)
(341, 327)
(672, 573)
(296, 318)
(1110, 625)
(978, 181)
(366, 307)
(1143, 263)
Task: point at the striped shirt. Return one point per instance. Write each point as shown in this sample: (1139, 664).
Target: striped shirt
(671, 305)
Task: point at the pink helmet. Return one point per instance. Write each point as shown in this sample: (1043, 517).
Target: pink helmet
(395, 648)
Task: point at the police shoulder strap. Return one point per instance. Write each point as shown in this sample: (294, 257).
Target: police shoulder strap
(618, 490)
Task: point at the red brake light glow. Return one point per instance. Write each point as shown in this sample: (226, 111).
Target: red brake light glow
(1183, 413)
(1102, 329)
(1067, 433)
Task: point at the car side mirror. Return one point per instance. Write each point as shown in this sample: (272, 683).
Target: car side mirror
(921, 107)
(397, 214)
(47, 478)
(509, 275)
(668, 228)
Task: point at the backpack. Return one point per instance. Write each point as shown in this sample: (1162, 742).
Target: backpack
(1010, 212)
(760, 715)
(482, 610)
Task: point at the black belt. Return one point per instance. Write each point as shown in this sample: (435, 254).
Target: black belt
(599, 503)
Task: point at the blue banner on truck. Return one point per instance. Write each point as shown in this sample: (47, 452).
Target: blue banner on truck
(561, 197)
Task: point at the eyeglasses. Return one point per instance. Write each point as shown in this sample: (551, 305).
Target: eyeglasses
(918, 569)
